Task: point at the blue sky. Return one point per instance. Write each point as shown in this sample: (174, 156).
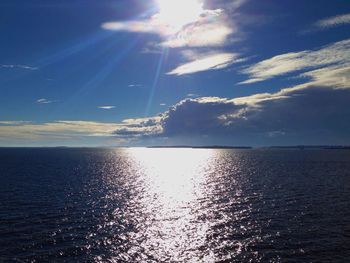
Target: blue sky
(164, 72)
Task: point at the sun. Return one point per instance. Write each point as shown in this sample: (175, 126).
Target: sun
(178, 13)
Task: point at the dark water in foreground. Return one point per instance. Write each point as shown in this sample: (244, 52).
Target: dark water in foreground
(174, 205)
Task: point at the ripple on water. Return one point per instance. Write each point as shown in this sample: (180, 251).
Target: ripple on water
(174, 205)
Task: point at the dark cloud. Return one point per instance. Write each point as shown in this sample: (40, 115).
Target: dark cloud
(197, 116)
(309, 116)
(127, 132)
(313, 115)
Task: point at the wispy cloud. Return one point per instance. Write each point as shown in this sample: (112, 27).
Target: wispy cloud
(14, 66)
(335, 54)
(152, 48)
(106, 107)
(45, 101)
(131, 26)
(204, 63)
(13, 123)
(134, 85)
(233, 5)
(333, 21)
(335, 76)
(192, 95)
(327, 23)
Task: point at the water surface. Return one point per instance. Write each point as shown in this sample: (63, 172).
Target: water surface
(174, 205)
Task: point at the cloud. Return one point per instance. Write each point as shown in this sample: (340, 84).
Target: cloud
(196, 116)
(13, 123)
(337, 76)
(106, 107)
(298, 116)
(334, 54)
(204, 63)
(12, 130)
(134, 85)
(181, 26)
(131, 26)
(210, 30)
(233, 5)
(14, 66)
(152, 48)
(333, 21)
(74, 131)
(292, 117)
(315, 112)
(44, 101)
(141, 128)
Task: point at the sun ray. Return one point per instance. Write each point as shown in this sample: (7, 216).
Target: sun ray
(156, 79)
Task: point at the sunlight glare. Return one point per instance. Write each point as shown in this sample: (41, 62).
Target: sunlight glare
(173, 173)
(177, 14)
(173, 181)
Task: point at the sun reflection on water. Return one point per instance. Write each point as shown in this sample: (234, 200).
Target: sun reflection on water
(174, 185)
(178, 205)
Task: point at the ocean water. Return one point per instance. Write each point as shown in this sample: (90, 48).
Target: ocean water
(174, 205)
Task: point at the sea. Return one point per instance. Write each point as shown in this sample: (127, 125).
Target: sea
(174, 205)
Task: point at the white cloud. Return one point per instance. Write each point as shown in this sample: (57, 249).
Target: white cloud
(14, 122)
(333, 21)
(233, 5)
(203, 63)
(181, 26)
(334, 54)
(106, 107)
(131, 26)
(211, 29)
(58, 129)
(44, 101)
(337, 76)
(14, 66)
(74, 131)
